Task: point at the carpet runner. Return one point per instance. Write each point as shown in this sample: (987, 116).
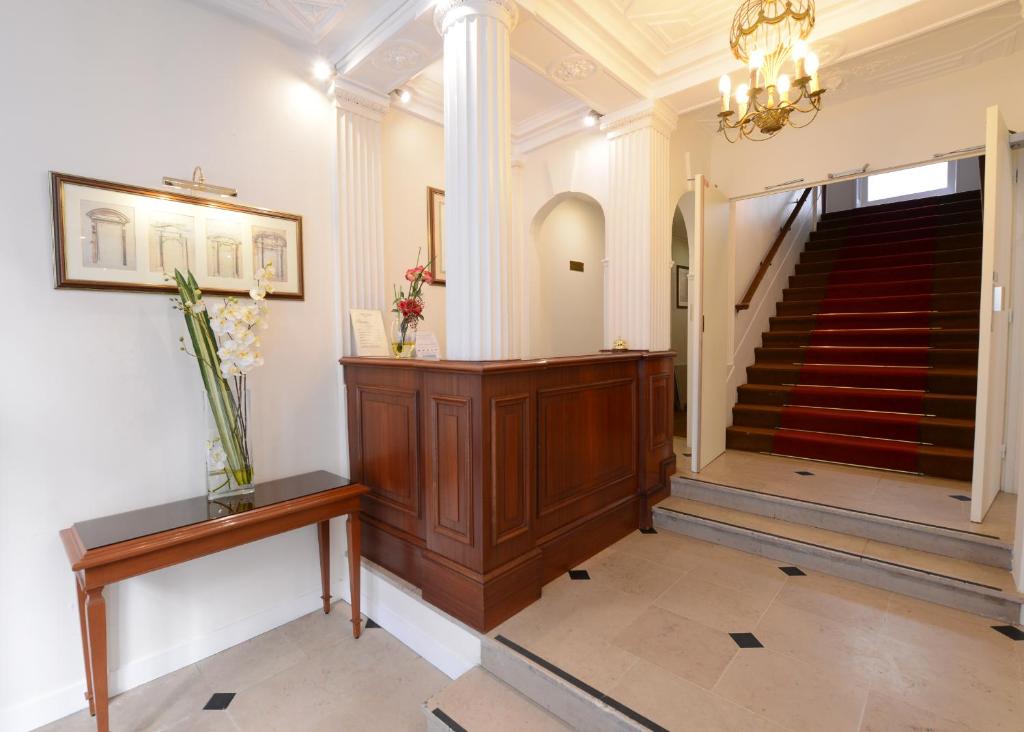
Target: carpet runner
(872, 357)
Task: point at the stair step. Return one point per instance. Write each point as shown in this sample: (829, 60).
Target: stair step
(965, 585)
(898, 227)
(868, 337)
(852, 238)
(899, 287)
(891, 304)
(878, 275)
(955, 543)
(941, 431)
(910, 246)
(574, 702)
(944, 256)
(870, 355)
(472, 701)
(940, 381)
(870, 452)
(840, 321)
(956, 406)
(905, 207)
(911, 219)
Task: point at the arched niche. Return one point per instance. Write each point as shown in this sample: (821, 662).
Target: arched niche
(682, 225)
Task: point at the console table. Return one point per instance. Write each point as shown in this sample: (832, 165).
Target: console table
(113, 548)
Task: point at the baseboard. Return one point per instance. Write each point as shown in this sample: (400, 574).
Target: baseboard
(444, 642)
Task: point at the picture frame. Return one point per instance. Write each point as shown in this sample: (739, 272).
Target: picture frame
(121, 237)
(682, 287)
(435, 233)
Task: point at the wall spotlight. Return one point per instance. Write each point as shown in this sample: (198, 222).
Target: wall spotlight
(591, 118)
(322, 71)
(402, 95)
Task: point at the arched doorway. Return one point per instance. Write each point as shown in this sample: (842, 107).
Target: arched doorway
(679, 321)
(567, 282)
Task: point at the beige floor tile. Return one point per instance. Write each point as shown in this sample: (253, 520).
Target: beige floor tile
(837, 599)
(666, 548)
(885, 713)
(799, 696)
(253, 661)
(293, 700)
(818, 641)
(475, 696)
(688, 649)
(314, 631)
(728, 610)
(207, 721)
(745, 573)
(631, 574)
(593, 659)
(677, 704)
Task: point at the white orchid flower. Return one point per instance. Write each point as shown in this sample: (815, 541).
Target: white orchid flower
(258, 293)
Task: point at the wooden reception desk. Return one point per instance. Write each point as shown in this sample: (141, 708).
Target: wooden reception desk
(488, 479)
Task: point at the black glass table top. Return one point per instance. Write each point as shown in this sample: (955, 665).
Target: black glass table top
(177, 514)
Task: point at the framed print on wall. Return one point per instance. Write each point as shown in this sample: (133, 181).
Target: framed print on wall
(435, 233)
(682, 287)
(113, 236)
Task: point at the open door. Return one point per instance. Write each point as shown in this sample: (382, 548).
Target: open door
(993, 327)
(710, 311)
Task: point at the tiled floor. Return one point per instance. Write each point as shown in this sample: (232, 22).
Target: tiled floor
(651, 628)
(307, 675)
(911, 497)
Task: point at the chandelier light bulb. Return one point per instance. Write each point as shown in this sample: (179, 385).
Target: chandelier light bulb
(800, 50)
(757, 59)
(782, 86)
(811, 63)
(725, 85)
(742, 94)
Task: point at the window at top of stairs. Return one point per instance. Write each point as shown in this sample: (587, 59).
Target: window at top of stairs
(934, 179)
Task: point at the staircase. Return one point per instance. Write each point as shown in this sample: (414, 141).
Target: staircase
(872, 356)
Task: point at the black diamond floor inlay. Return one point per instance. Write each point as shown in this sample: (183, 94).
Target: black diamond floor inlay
(960, 497)
(1009, 631)
(651, 530)
(371, 624)
(804, 472)
(746, 640)
(793, 571)
(579, 574)
(220, 700)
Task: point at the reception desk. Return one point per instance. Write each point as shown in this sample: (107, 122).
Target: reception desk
(488, 479)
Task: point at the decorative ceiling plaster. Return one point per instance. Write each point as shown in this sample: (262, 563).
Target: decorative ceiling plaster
(308, 21)
(400, 56)
(572, 68)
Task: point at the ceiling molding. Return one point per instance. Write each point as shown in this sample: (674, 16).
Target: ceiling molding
(360, 101)
(549, 126)
(305, 21)
(390, 18)
(645, 113)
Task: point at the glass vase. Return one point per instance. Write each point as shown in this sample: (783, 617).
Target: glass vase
(228, 450)
(403, 338)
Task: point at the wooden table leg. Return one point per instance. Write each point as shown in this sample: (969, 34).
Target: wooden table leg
(85, 645)
(96, 624)
(323, 532)
(352, 526)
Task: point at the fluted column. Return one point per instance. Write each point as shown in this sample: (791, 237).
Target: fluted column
(360, 201)
(638, 294)
(481, 283)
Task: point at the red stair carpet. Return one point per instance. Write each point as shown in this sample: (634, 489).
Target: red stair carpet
(872, 357)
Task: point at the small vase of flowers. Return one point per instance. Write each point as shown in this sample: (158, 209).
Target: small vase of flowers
(408, 310)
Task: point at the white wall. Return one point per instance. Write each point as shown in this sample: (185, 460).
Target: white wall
(99, 411)
(572, 302)
(413, 160)
(895, 127)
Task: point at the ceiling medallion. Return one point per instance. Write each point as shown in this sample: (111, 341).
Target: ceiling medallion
(574, 68)
(764, 34)
(399, 56)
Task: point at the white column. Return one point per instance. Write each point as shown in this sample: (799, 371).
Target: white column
(481, 284)
(638, 238)
(361, 202)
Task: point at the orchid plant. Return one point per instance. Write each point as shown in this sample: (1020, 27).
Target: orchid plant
(225, 343)
(409, 307)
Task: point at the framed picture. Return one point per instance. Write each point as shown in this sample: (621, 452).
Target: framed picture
(682, 287)
(112, 236)
(435, 233)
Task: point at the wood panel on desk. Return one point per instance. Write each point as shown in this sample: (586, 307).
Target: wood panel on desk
(525, 468)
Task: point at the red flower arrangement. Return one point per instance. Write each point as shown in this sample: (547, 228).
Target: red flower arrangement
(409, 307)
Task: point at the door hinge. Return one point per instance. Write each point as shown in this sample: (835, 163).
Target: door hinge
(1002, 452)
(701, 323)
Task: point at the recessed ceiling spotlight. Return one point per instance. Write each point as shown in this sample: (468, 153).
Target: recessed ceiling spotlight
(402, 95)
(591, 118)
(322, 70)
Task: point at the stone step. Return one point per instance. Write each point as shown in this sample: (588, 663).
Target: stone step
(478, 700)
(969, 586)
(954, 543)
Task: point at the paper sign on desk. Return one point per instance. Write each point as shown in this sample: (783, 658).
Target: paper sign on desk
(368, 334)
(427, 347)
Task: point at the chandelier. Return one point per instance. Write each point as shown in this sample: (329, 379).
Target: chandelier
(765, 33)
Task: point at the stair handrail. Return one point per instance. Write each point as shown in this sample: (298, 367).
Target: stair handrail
(762, 270)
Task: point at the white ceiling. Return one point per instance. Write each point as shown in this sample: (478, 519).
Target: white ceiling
(570, 55)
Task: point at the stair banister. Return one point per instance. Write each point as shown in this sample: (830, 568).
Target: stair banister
(762, 270)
